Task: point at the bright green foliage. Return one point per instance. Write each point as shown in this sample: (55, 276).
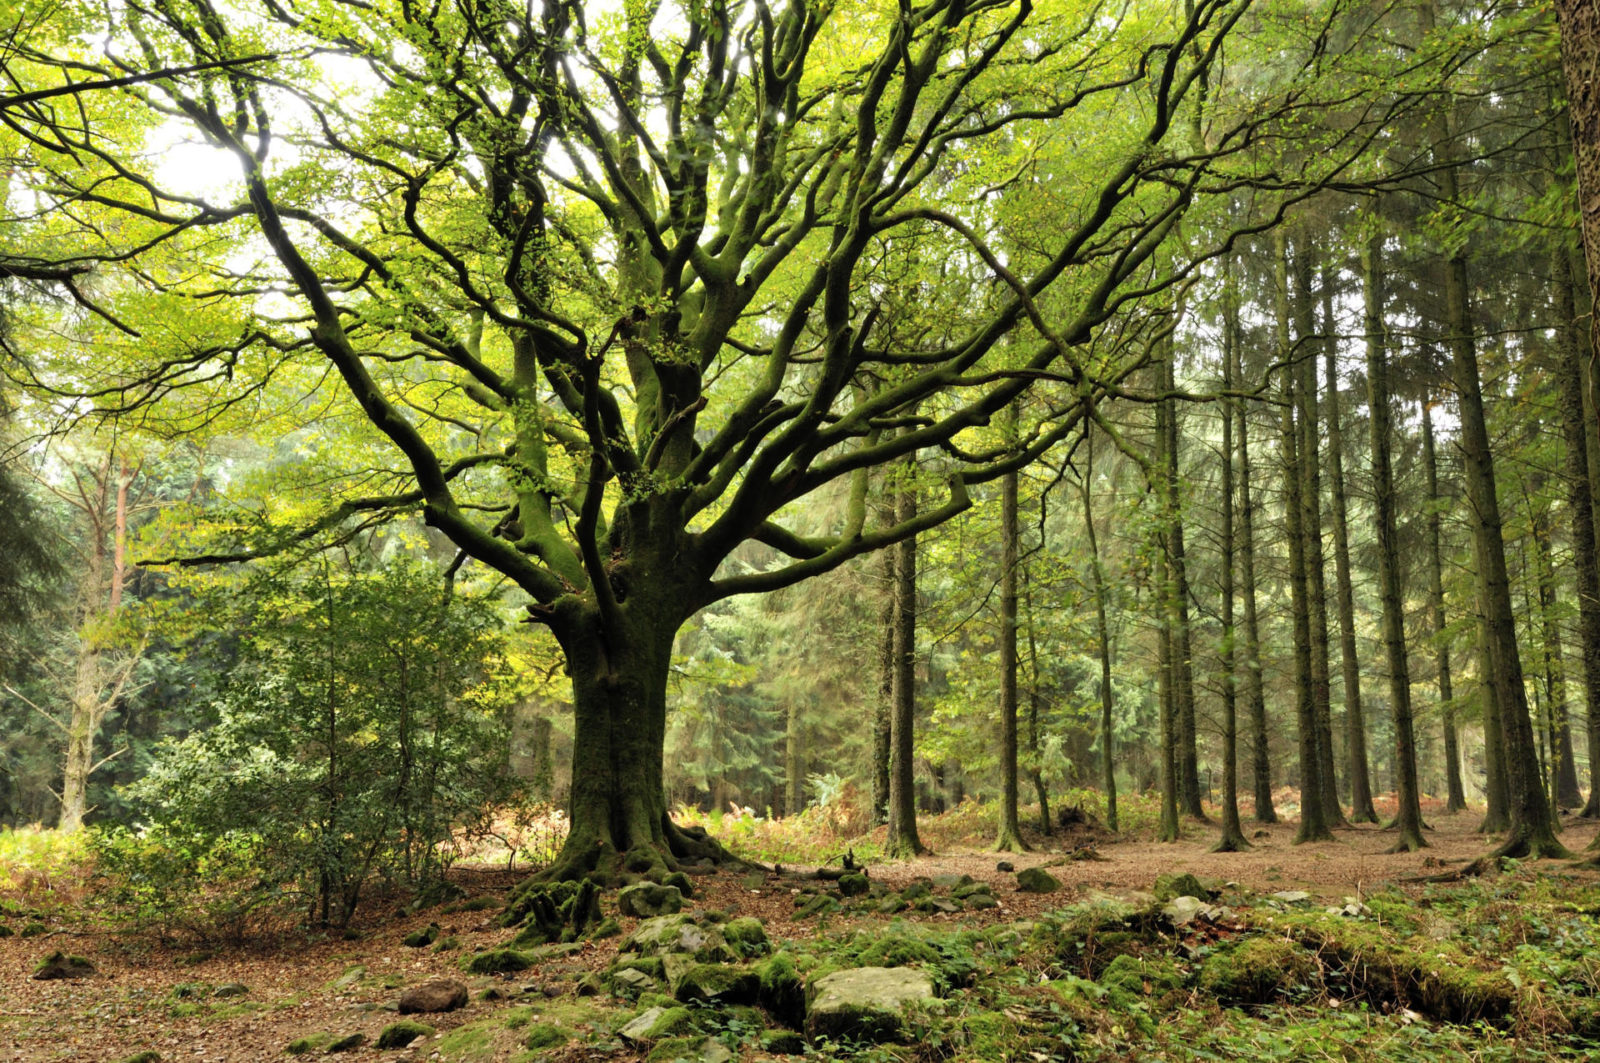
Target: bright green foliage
(359, 727)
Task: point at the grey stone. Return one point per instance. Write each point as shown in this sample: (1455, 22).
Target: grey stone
(350, 977)
(638, 1027)
(434, 995)
(1183, 910)
(1291, 896)
(630, 982)
(232, 989)
(647, 899)
(981, 900)
(865, 1003)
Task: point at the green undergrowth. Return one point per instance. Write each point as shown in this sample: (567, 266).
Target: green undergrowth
(1506, 968)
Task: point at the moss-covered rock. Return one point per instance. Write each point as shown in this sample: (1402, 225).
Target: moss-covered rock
(680, 934)
(496, 961)
(309, 1043)
(971, 889)
(781, 990)
(402, 1033)
(854, 884)
(865, 1003)
(418, 939)
(1179, 885)
(60, 965)
(897, 949)
(348, 1043)
(646, 900)
(782, 1042)
(1128, 977)
(654, 1023)
(1255, 971)
(1036, 880)
(746, 936)
(713, 982)
(147, 1056)
(816, 905)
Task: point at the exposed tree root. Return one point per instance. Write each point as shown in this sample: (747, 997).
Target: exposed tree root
(598, 859)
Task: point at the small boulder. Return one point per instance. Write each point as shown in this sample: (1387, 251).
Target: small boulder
(647, 899)
(1292, 896)
(231, 989)
(348, 1044)
(865, 1003)
(422, 938)
(1036, 880)
(630, 982)
(434, 995)
(1005, 865)
(60, 965)
(716, 982)
(816, 905)
(1182, 911)
(657, 1022)
(854, 884)
(981, 900)
(403, 1033)
(496, 961)
(746, 936)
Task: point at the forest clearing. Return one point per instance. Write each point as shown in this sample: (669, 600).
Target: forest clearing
(1508, 969)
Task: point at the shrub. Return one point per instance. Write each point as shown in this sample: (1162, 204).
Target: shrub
(359, 726)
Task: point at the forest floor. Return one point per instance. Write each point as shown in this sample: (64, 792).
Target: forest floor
(156, 995)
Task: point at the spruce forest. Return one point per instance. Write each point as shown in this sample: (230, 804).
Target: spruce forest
(730, 530)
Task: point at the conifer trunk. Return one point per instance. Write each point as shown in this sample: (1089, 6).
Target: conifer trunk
(1408, 819)
(1457, 799)
(1530, 822)
(1182, 647)
(1108, 772)
(1361, 810)
(1232, 838)
(903, 839)
(1255, 687)
(1313, 824)
(1009, 836)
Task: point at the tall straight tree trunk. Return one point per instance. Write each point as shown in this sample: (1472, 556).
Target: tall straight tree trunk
(1408, 819)
(1316, 562)
(1361, 810)
(1035, 705)
(903, 839)
(794, 760)
(1313, 824)
(881, 727)
(1457, 799)
(1255, 687)
(1563, 769)
(1008, 837)
(1531, 825)
(1108, 773)
(1232, 838)
(1576, 430)
(1168, 829)
(1188, 758)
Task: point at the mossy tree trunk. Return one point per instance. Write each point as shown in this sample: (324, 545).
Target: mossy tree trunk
(1182, 641)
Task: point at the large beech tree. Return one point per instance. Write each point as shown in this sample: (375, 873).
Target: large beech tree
(616, 291)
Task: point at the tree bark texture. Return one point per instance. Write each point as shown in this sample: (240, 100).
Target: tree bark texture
(903, 839)
(1457, 797)
(1009, 835)
(1408, 818)
(1313, 824)
(1361, 810)
(1232, 838)
(1255, 686)
(1188, 758)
